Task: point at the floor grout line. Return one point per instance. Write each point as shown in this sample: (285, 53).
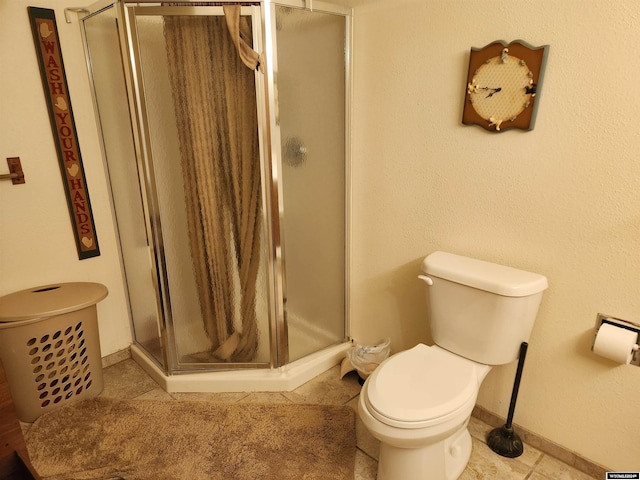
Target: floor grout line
(366, 454)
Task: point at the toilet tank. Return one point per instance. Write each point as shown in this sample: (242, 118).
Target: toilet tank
(480, 310)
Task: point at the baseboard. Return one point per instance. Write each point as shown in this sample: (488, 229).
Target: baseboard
(116, 357)
(546, 446)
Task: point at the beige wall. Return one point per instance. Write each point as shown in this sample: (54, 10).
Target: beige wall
(562, 200)
(36, 238)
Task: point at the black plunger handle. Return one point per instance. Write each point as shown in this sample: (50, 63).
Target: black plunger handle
(516, 384)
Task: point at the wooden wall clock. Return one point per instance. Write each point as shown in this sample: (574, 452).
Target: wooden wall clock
(503, 85)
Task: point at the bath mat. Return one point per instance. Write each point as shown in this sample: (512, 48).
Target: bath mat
(148, 439)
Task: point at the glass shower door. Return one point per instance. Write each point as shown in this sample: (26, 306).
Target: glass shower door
(311, 93)
(112, 105)
(185, 172)
(197, 153)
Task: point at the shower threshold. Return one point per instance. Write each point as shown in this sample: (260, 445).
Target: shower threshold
(282, 379)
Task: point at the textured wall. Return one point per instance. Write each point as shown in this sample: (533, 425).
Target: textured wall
(36, 237)
(562, 200)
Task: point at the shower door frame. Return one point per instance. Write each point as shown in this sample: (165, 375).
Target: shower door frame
(262, 13)
(166, 319)
(275, 137)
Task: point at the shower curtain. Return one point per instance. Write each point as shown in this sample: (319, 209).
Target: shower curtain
(216, 115)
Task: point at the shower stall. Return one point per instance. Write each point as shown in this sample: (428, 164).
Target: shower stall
(225, 133)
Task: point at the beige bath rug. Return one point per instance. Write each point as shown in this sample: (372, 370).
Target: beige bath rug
(145, 439)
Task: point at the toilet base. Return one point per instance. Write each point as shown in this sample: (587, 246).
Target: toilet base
(445, 460)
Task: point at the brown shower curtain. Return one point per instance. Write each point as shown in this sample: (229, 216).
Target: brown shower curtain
(216, 115)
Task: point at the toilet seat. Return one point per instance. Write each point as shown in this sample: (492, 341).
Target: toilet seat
(422, 386)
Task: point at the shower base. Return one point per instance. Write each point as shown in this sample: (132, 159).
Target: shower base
(282, 379)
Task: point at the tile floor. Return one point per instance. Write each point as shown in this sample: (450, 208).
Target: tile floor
(126, 380)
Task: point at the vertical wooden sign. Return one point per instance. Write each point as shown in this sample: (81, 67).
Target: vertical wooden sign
(54, 82)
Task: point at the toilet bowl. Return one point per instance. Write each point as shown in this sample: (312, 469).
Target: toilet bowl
(418, 404)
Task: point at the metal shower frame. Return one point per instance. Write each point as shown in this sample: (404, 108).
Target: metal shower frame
(264, 34)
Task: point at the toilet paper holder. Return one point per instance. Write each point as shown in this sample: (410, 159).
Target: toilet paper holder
(627, 325)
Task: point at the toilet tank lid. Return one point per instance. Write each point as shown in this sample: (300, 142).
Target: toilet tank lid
(49, 300)
(491, 277)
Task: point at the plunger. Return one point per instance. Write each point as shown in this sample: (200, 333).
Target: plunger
(504, 441)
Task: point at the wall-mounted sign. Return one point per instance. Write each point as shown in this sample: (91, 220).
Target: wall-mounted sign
(54, 81)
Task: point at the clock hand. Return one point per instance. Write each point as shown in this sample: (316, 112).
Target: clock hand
(491, 91)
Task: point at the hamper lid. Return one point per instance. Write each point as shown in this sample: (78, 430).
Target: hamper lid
(50, 300)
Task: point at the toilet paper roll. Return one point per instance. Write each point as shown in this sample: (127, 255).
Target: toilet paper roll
(615, 343)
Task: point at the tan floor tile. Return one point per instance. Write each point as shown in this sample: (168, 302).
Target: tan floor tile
(478, 429)
(366, 468)
(486, 465)
(265, 397)
(327, 389)
(25, 427)
(537, 476)
(228, 397)
(155, 394)
(125, 381)
(530, 455)
(364, 440)
(554, 469)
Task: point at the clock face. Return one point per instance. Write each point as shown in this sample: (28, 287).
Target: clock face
(501, 86)
(501, 89)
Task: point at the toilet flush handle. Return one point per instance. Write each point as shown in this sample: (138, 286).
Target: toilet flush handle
(426, 279)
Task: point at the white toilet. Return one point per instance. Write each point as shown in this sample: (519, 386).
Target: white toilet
(418, 402)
